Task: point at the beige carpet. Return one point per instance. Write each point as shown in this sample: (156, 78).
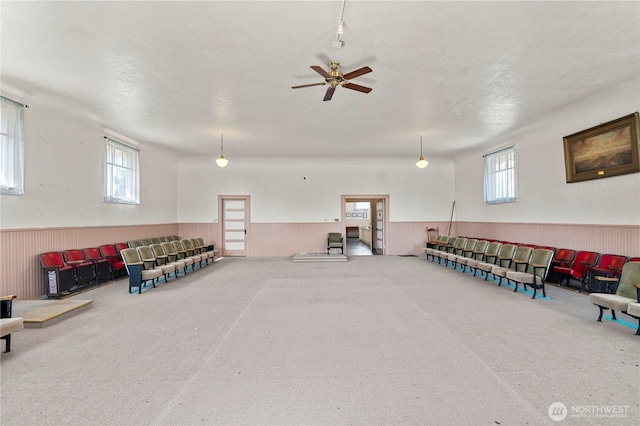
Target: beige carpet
(377, 340)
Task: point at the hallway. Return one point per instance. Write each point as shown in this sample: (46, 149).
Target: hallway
(355, 247)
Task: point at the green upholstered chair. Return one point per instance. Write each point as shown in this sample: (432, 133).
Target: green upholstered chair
(489, 255)
(443, 248)
(478, 249)
(519, 262)
(179, 250)
(162, 258)
(208, 249)
(536, 273)
(463, 254)
(173, 256)
(334, 241)
(134, 243)
(138, 274)
(149, 258)
(503, 259)
(626, 293)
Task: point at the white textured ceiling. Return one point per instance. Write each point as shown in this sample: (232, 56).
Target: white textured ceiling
(178, 74)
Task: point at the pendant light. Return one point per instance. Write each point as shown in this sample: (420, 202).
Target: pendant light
(222, 162)
(421, 163)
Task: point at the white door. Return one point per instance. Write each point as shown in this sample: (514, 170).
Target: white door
(379, 237)
(234, 226)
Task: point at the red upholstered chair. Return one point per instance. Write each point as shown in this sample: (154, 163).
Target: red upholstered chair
(563, 257)
(116, 265)
(577, 268)
(119, 247)
(84, 270)
(553, 249)
(101, 266)
(58, 276)
(600, 277)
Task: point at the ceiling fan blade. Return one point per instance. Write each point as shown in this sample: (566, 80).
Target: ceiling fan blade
(357, 73)
(320, 71)
(357, 87)
(308, 85)
(329, 94)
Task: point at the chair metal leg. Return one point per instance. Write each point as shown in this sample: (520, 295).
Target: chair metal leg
(601, 312)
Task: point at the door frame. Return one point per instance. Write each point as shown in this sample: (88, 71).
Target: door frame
(373, 198)
(247, 223)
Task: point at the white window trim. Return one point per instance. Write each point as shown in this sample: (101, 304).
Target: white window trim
(12, 147)
(132, 168)
(508, 192)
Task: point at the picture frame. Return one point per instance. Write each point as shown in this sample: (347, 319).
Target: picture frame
(605, 150)
(348, 214)
(358, 214)
(364, 215)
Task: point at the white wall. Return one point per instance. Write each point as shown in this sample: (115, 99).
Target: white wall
(306, 191)
(64, 167)
(544, 195)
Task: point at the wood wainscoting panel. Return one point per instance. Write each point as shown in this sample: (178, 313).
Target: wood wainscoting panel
(615, 239)
(206, 231)
(20, 271)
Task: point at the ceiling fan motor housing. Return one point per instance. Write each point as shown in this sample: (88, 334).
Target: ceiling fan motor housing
(335, 78)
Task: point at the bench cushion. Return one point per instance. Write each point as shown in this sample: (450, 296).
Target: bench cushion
(500, 271)
(10, 325)
(522, 277)
(484, 266)
(634, 309)
(611, 301)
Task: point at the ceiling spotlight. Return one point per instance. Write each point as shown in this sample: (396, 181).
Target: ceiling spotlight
(421, 163)
(222, 162)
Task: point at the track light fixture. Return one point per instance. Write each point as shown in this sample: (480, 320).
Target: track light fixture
(222, 162)
(421, 163)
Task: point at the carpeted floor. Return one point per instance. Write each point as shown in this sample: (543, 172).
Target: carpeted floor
(377, 340)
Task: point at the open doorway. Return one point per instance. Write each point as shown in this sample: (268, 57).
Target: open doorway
(358, 228)
(364, 217)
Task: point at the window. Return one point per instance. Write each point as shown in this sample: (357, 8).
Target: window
(500, 176)
(121, 174)
(11, 147)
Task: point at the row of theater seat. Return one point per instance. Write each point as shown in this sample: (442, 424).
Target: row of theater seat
(148, 263)
(614, 279)
(69, 270)
(518, 264)
(149, 241)
(587, 269)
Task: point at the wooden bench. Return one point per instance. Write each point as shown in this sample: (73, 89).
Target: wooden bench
(8, 324)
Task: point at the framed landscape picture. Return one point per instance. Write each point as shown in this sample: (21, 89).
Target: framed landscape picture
(609, 149)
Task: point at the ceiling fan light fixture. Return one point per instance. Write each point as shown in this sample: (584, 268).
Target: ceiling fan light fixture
(222, 162)
(421, 163)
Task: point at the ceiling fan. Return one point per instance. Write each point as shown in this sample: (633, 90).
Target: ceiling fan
(335, 78)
